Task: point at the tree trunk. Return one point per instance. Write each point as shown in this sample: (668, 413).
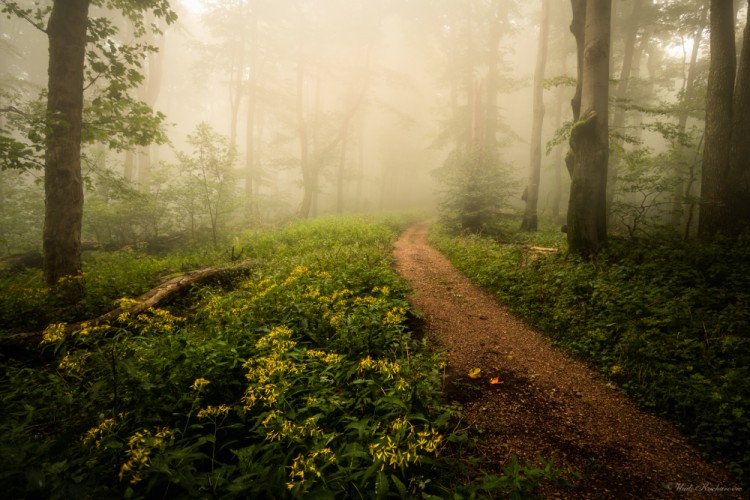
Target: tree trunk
(587, 209)
(252, 101)
(342, 170)
(529, 222)
(305, 167)
(682, 151)
(739, 169)
(577, 27)
(62, 166)
(620, 114)
(714, 214)
(149, 93)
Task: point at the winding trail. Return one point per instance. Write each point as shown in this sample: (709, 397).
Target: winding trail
(546, 404)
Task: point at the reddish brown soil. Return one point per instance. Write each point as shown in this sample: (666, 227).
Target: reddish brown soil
(547, 404)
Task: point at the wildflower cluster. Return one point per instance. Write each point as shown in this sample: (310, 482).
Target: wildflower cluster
(156, 321)
(213, 411)
(141, 446)
(401, 444)
(199, 384)
(53, 333)
(269, 374)
(337, 317)
(96, 434)
(280, 428)
(309, 464)
(387, 368)
(73, 362)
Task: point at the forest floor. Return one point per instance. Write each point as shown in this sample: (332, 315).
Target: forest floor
(546, 404)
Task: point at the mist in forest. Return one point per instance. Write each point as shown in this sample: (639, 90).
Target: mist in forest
(279, 109)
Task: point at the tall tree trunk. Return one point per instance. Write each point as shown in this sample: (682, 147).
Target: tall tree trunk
(149, 93)
(250, 130)
(308, 183)
(620, 113)
(587, 209)
(341, 170)
(529, 222)
(236, 79)
(682, 151)
(714, 215)
(577, 27)
(739, 166)
(62, 165)
(499, 14)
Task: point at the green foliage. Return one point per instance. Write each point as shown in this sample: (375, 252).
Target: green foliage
(26, 305)
(113, 70)
(208, 188)
(666, 320)
(21, 212)
(475, 190)
(302, 381)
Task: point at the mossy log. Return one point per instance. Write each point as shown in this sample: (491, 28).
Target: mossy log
(14, 345)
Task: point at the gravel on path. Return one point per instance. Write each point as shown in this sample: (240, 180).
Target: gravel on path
(546, 404)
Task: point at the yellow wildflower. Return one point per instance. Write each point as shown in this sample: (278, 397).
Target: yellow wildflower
(213, 411)
(53, 333)
(199, 384)
(96, 434)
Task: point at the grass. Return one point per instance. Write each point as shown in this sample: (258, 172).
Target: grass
(667, 321)
(301, 380)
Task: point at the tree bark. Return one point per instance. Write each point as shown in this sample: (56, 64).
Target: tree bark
(529, 222)
(577, 27)
(714, 214)
(587, 209)
(739, 167)
(63, 186)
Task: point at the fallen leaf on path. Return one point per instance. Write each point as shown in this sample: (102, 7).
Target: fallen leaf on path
(495, 381)
(475, 373)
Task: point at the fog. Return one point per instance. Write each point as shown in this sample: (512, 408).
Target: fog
(355, 105)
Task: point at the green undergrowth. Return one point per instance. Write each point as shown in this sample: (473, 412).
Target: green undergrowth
(667, 321)
(301, 380)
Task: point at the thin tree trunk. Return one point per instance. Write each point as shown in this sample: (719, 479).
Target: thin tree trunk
(63, 186)
(250, 126)
(587, 209)
(682, 152)
(714, 214)
(305, 167)
(236, 77)
(529, 222)
(149, 93)
(620, 113)
(341, 170)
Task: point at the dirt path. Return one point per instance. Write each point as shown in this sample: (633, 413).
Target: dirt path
(547, 404)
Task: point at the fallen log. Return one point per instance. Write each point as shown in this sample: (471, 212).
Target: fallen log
(531, 248)
(156, 297)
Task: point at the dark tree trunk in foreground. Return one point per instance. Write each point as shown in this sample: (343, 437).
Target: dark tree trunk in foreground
(577, 27)
(62, 167)
(529, 222)
(714, 215)
(739, 158)
(587, 209)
